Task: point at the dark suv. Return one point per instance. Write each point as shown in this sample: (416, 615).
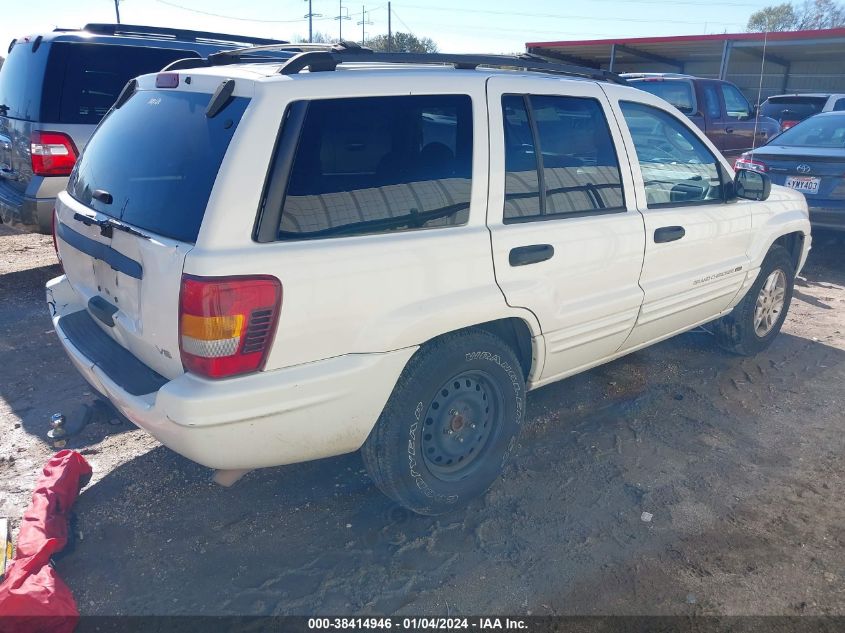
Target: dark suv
(792, 109)
(55, 88)
(716, 106)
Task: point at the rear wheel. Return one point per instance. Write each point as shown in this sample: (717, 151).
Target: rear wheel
(450, 423)
(757, 319)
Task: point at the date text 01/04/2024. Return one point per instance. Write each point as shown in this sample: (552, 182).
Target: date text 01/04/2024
(432, 623)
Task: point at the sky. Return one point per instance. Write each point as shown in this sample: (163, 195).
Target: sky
(458, 26)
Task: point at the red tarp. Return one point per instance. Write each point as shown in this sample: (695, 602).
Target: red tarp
(33, 599)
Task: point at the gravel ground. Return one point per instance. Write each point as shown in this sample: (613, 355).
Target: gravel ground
(677, 480)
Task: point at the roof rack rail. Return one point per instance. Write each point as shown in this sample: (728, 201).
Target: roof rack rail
(184, 35)
(323, 57)
(250, 54)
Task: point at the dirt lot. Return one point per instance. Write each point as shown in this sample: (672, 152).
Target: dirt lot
(740, 462)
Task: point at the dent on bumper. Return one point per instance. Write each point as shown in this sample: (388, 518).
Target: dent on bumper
(269, 418)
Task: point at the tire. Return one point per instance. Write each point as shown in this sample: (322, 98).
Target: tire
(739, 332)
(450, 424)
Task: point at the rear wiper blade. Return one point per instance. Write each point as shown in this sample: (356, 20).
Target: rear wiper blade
(107, 224)
(127, 229)
(87, 220)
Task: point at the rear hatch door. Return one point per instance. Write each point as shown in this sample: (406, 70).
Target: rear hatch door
(21, 79)
(133, 210)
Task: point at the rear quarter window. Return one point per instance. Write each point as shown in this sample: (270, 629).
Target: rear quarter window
(379, 164)
(21, 78)
(158, 156)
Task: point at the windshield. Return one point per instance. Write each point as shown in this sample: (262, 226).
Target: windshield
(677, 92)
(158, 157)
(818, 131)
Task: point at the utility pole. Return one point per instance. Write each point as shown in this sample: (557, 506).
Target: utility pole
(340, 18)
(310, 15)
(117, 10)
(364, 22)
(389, 29)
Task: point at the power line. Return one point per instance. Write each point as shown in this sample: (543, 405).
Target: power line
(265, 20)
(227, 17)
(408, 28)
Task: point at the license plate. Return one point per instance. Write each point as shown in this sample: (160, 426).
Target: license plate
(804, 184)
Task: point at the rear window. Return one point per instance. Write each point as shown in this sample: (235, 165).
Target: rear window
(678, 92)
(792, 108)
(158, 156)
(20, 82)
(83, 80)
(824, 130)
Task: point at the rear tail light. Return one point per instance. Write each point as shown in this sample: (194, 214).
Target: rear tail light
(785, 125)
(227, 324)
(53, 153)
(750, 163)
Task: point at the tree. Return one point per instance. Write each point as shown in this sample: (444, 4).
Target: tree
(317, 38)
(812, 14)
(779, 17)
(403, 42)
(821, 14)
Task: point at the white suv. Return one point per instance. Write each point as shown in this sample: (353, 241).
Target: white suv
(266, 266)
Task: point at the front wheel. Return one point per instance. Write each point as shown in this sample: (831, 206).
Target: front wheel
(450, 423)
(757, 319)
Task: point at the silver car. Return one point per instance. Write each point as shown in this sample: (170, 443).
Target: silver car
(54, 90)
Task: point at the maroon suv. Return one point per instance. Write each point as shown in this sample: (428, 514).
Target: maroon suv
(716, 106)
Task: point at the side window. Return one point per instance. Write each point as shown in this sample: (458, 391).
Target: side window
(522, 181)
(567, 141)
(711, 101)
(735, 103)
(677, 167)
(379, 164)
(839, 106)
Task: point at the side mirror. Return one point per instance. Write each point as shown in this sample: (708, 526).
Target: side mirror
(752, 185)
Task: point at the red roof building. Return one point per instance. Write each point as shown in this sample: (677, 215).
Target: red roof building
(796, 61)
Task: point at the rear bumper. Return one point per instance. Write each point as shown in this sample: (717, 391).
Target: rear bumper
(269, 418)
(25, 212)
(827, 214)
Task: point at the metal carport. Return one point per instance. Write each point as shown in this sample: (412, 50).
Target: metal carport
(797, 61)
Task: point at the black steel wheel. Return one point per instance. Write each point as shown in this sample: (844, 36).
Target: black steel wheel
(450, 423)
(461, 424)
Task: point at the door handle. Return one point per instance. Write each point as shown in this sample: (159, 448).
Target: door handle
(668, 234)
(523, 255)
(729, 130)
